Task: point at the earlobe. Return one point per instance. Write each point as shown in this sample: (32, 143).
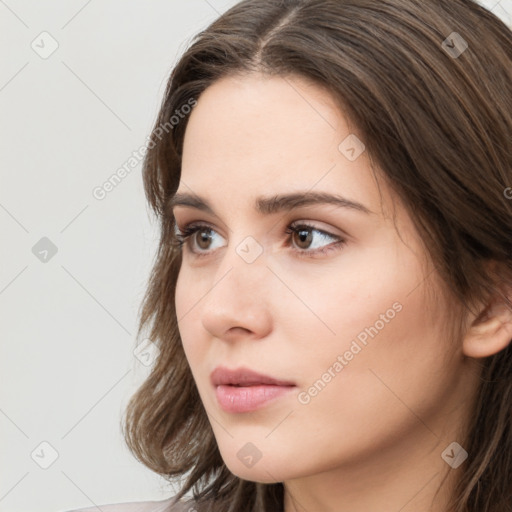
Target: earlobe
(490, 333)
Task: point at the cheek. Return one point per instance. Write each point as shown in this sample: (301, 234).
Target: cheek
(188, 314)
(391, 386)
(358, 295)
(374, 338)
(387, 362)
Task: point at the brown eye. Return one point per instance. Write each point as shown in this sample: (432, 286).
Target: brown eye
(303, 235)
(198, 246)
(204, 239)
(304, 238)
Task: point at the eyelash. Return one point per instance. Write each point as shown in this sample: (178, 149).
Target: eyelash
(183, 236)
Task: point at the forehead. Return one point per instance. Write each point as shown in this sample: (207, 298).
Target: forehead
(269, 116)
(253, 135)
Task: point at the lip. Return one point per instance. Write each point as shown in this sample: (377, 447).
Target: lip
(245, 390)
(244, 377)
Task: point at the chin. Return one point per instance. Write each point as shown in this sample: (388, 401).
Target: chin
(264, 472)
(260, 476)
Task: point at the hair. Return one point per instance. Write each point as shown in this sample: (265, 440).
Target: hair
(438, 126)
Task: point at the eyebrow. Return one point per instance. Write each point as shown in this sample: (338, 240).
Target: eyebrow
(273, 204)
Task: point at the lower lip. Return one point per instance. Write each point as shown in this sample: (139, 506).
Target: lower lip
(248, 398)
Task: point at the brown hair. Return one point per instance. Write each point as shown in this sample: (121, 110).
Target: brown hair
(439, 127)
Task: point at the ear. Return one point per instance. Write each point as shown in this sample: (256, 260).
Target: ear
(491, 331)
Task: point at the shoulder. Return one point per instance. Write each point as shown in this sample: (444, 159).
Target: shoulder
(169, 505)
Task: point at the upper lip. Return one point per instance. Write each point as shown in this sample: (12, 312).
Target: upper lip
(243, 377)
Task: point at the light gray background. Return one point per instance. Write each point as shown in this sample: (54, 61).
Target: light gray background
(68, 324)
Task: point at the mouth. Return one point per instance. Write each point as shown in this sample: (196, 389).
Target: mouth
(244, 390)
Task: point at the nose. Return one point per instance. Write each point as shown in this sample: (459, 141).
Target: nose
(239, 300)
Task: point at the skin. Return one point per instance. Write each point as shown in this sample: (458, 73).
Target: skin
(372, 438)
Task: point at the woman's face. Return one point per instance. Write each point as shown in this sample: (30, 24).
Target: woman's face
(352, 328)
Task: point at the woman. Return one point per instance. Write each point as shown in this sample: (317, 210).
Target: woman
(337, 338)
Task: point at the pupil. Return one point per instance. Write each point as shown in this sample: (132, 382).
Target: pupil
(306, 233)
(204, 238)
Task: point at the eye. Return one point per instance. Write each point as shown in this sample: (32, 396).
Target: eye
(306, 235)
(186, 237)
